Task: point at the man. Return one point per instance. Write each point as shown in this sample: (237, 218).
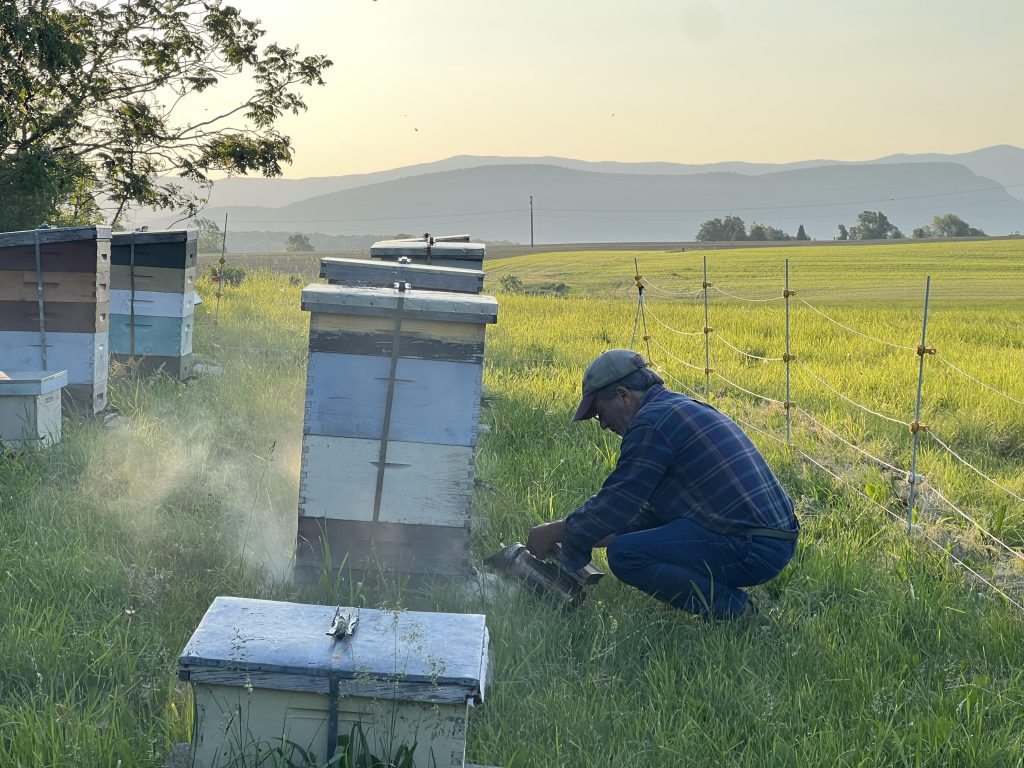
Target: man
(691, 512)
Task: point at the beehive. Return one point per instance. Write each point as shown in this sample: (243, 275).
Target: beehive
(455, 251)
(267, 678)
(55, 307)
(421, 277)
(152, 300)
(392, 411)
(30, 407)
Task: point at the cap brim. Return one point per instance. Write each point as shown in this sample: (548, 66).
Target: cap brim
(586, 409)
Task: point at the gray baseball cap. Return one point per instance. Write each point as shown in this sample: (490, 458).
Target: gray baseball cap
(607, 368)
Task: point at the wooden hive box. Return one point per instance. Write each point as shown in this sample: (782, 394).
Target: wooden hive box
(153, 300)
(55, 307)
(30, 407)
(422, 277)
(392, 412)
(267, 675)
(455, 251)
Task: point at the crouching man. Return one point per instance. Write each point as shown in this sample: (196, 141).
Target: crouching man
(691, 513)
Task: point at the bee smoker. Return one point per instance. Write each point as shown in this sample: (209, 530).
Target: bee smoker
(546, 578)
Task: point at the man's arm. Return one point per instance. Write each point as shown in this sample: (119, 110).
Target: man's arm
(643, 460)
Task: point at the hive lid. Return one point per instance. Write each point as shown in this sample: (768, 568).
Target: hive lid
(53, 235)
(430, 277)
(407, 649)
(156, 236)
(31, 382)
(418, 248)
(426, 305)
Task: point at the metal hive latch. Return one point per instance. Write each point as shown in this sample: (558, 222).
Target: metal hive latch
(343, 624)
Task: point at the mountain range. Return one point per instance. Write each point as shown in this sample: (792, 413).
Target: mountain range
(582, 201)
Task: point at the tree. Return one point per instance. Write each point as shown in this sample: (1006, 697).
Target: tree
(94, 95)
(298, 243)
(951, 225)
(801, 234)
(767, 232)
(844, 233)
(922, 232)
(211, 239)
(874, 225)
(729, 228)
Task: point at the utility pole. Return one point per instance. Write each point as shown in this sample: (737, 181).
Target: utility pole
(531, 221)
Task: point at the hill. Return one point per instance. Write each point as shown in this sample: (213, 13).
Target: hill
(492, 202)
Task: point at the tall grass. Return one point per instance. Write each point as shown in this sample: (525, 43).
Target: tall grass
(872, 650)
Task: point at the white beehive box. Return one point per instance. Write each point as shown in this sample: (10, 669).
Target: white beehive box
(268, 678)
(455, 251)
(392, 412)
(30, 407)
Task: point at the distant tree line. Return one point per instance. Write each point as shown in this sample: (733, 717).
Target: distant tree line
(871, 225)
(734, 228)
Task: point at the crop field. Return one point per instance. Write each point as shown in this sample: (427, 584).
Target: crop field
(876, 646)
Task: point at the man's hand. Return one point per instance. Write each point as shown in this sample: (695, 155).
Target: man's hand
(542, 538)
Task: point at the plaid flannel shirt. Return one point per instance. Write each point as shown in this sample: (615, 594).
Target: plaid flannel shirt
(680, 458)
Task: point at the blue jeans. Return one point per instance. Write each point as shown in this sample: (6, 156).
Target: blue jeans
(694, 569)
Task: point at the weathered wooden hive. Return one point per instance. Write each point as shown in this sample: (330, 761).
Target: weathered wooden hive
(421, 277)
(270, 680)
(30, 407)
(448, 251)
(55, 307)
(392, 411)
(152, 300)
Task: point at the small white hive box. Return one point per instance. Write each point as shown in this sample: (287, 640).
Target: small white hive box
(446, 251)
(30, 407)
(392, 414)
(269, 680)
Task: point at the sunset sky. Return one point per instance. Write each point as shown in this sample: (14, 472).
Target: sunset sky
(689, 81)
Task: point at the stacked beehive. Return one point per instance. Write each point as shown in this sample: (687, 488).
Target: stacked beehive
(448, 251)
(392, 411)
(152, 300)
(55, 307)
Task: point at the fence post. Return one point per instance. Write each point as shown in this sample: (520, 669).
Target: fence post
(917, 427)
(707, 340)
(788, 358)
(641, 315)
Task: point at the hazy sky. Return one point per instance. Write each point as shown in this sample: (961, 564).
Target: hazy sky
(689, 81)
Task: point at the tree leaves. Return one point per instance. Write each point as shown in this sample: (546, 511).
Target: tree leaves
(99, 90)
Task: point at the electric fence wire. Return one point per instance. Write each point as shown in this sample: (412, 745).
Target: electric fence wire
(854, 330)
(746, 298)
(686, 295)
(1013, 551)
(677, 359)
(835, 391)
(867, 454)
(977, 471)
(936, 544)
(732, 383)
(668, 327)
(752, 356)
(989, 387)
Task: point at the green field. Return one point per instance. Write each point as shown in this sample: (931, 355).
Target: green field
(874, 647)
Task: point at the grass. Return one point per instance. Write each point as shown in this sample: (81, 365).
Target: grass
(873, 649)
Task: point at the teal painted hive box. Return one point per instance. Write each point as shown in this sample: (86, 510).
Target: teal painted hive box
(152, 300)
(389, 439)
(272, 686)
(30, 408)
